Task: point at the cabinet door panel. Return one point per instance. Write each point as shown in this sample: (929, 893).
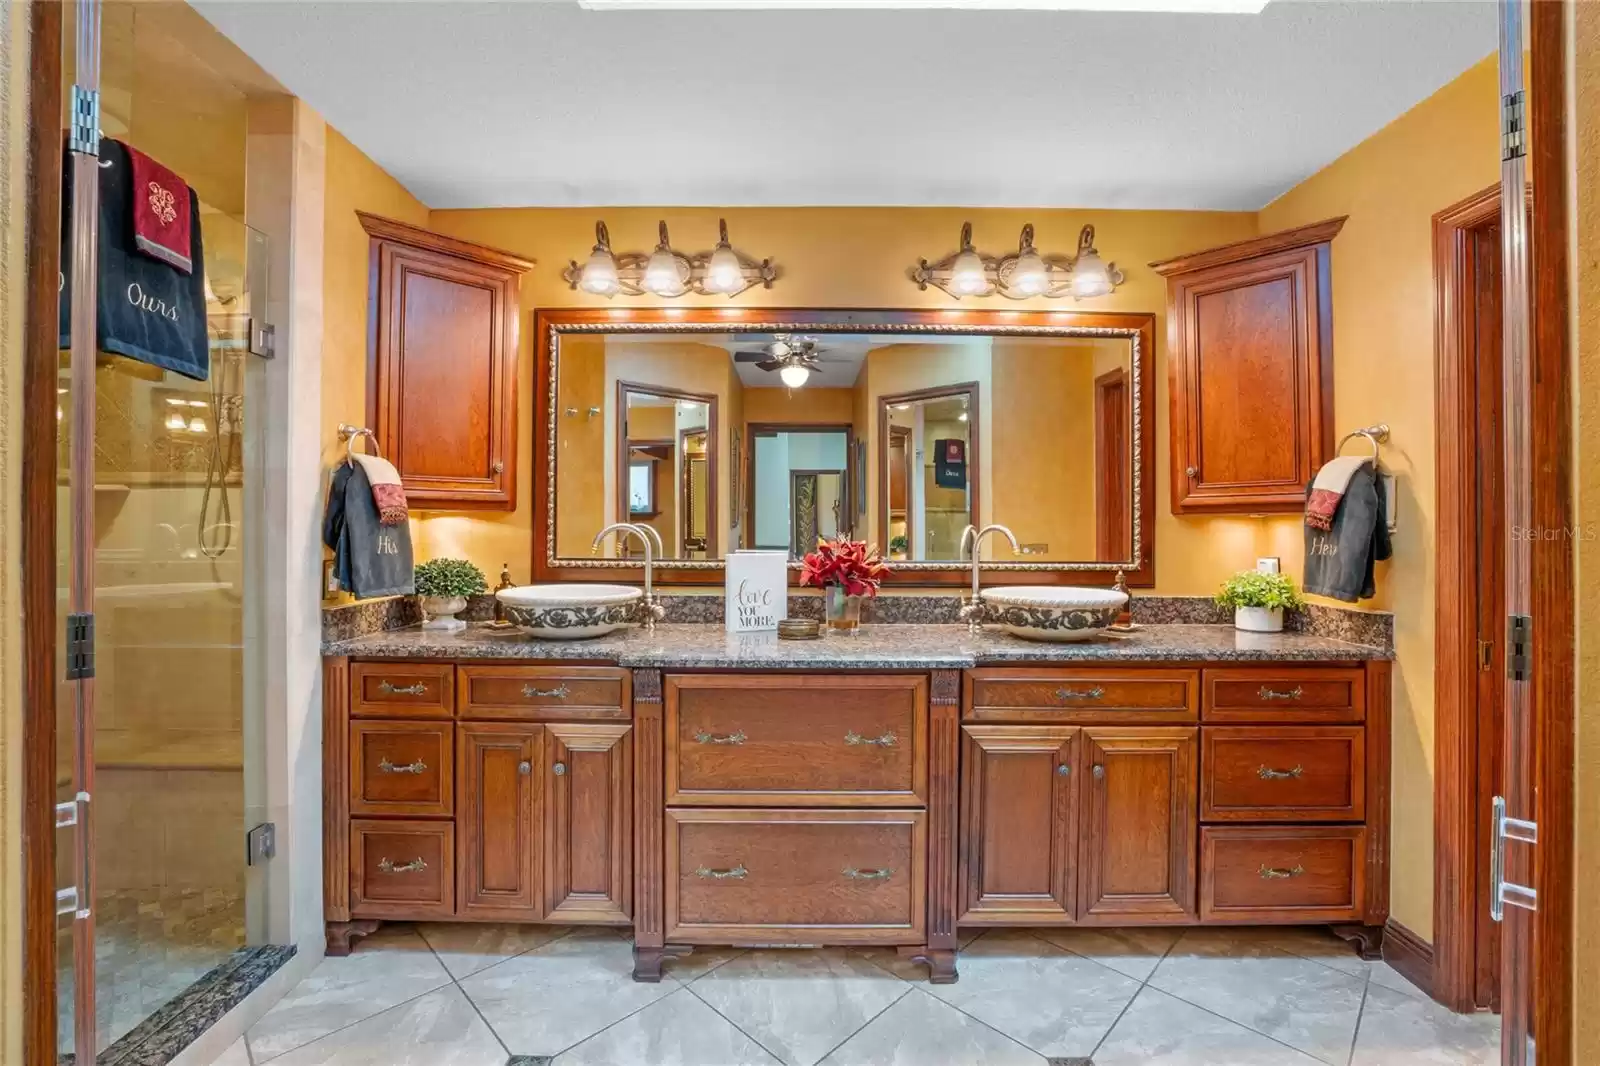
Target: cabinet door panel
(1139, 832)
(588, 822)
(499, 773)
(1019, 823)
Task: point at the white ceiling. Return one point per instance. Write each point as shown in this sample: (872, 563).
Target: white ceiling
(539, 102)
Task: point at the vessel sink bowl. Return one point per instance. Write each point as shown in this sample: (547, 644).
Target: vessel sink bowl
(1052, 612)
(571, 612)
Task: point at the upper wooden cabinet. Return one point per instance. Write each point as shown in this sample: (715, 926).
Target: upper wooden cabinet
(442, 340)
(1250, 371)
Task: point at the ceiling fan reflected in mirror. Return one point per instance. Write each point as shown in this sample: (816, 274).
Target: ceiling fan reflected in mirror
(792, 356)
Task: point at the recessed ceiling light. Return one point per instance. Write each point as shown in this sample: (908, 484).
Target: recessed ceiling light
(1192, 7)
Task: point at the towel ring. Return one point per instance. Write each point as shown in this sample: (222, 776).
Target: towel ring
(1374, 434)
(349, 435)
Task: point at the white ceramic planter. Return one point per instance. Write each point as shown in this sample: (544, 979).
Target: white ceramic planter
(1258, 619)
(441, 613)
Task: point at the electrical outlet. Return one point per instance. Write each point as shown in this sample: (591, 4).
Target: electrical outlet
(261, 844)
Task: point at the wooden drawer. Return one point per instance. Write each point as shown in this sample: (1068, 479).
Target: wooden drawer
(402, 690)
(402, 870)
(1282, 773)
(1082, 694)
(1282, 874)
(402, 768)
(1285, 694)
(544, 693)
(796, 876)
(809, 740)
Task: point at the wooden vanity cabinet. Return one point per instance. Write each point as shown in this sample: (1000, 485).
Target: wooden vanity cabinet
(1139, 828)
(1250, 371)
(442, 334)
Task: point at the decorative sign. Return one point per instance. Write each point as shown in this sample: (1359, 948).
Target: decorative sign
(757, 592)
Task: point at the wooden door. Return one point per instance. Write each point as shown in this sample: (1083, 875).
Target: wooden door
(1019, 824)
(1113, 464)
(442, 399)
(1137, 845)
(499, 771)
(1250, 341)
(588, 821)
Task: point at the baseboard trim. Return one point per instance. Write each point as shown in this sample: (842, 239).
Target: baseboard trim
(1410, 954)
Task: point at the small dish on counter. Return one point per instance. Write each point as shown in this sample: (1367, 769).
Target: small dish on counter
(570, 612)
(1053, 612)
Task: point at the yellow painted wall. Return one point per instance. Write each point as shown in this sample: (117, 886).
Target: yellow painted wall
(1586, 390)
(799, 405)
(1391, 185)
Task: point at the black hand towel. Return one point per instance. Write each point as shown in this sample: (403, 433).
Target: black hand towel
(950, 463)
(1339, 560)
(369, 558)
(147, 310)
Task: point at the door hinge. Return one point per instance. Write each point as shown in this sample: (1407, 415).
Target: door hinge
(263, 339)
(1502, 891)
(1485, 655)
(1513, 127)
(1519, 646)
(80, 646)
(83, 135)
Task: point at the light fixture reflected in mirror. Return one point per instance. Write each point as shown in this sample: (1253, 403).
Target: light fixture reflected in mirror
(794, 376)
(1023, 275)
(667, 273)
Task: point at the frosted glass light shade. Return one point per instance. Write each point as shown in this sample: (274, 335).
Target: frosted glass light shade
(723, 273)
(661, 274)
(600, 273)
(1029, 276)
(1090, 277)
(966, 274)
(794, 376)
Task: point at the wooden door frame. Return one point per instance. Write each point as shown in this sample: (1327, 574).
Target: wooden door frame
(753, 430)
(1552, 571)
(710, 400)
(43, 240)
(1111, 379)
(1461, 798)
(969, 389)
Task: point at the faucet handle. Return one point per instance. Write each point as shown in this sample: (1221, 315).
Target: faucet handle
(972, 612)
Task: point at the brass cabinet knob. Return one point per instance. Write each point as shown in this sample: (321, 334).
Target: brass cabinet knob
(1192, 471)
(1099, 773)
(525, 768)
(559, 769)
(1063, 770)
(499, 467)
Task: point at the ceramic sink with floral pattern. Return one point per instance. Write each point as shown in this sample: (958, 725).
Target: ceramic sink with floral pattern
(1052, 612)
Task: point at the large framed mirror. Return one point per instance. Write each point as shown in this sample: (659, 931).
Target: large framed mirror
(727, 430)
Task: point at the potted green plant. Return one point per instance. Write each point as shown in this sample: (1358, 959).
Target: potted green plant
(444, 585)
(1258, 600)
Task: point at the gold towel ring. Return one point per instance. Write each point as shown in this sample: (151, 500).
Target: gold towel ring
(349, 434)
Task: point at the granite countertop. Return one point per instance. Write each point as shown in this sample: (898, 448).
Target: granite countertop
(872, 647)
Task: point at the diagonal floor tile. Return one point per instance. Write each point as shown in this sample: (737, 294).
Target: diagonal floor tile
(235, 1055)
(1131, 952)
(1301, 1003)
(438, 1029)
(1406, 1030)
(389, 967)
(920, 1031)
(1158, 1030)
(1388, 977)
(800, 1004)
(1040, 995)
(1318, 945)
(467, 947)
(676, 1030)
(555, 996)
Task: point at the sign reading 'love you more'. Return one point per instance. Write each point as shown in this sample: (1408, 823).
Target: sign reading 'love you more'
(757, 592)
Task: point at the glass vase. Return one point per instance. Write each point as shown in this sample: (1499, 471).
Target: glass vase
(844, 610)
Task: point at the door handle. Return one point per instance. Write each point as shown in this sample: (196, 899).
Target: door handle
(1502, 891)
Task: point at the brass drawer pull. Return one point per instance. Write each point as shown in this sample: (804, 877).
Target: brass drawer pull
(1273, 873)
(1080, 693)
(416, 865)
(738, 873)
(391, 689)
(727, 738)
(560, 692)
(888, 740)
(418, 767)
(1267, 693)
(1267, 773)
(868, 875)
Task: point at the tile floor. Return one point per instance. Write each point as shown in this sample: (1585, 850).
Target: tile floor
(473, 995)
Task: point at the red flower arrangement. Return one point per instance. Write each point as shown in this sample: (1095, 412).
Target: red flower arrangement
(847, 563)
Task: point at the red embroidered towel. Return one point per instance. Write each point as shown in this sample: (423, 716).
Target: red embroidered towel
(160, 212)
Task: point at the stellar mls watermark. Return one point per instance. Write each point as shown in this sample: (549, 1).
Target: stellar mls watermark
(1547, 534)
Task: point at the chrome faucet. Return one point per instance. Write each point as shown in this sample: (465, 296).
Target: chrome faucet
(972, 613)
(651, 611)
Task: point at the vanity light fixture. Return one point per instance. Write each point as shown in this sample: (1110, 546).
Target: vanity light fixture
(1023, 275)
(665, 272)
